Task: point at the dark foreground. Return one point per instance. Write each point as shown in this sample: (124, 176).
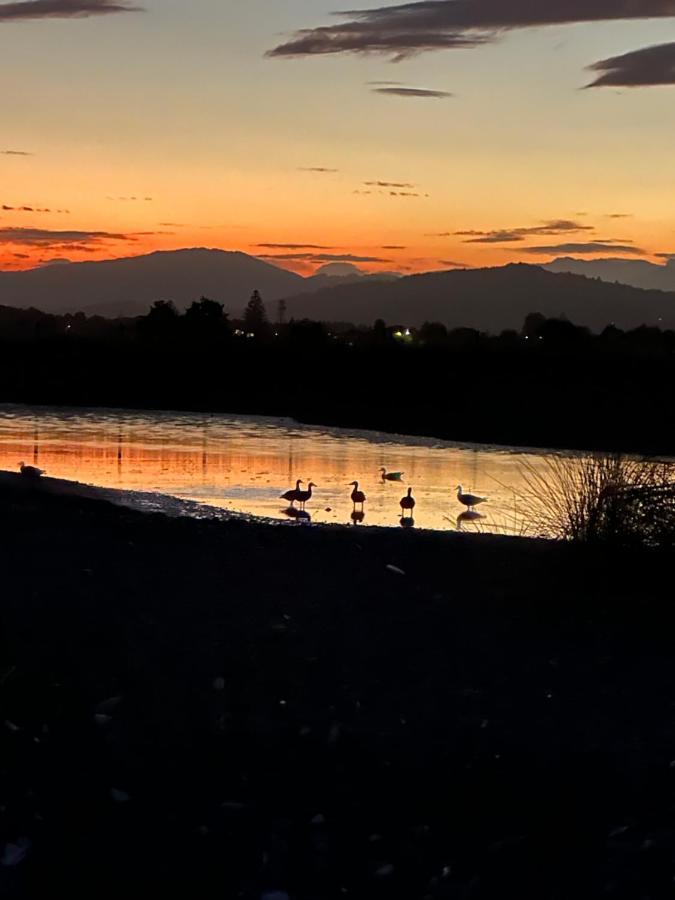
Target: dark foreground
(224, 710)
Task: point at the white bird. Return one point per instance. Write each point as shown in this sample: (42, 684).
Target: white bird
(30, 471)
(292, 496)
(391, 476)
(469, 500)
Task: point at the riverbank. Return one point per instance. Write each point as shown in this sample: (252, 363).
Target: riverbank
(220, 709)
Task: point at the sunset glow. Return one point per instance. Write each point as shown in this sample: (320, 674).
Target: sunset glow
(172, 126)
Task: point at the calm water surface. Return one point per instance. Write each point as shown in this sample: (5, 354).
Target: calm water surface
(244, 464)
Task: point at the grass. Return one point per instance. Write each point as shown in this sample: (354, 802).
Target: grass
(601, 499)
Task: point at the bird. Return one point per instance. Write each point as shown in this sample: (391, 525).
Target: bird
(303, 496)
(30, 471)
(408, 503)
(292, 496)
(469, 500)
(391, 476)
(358, 497)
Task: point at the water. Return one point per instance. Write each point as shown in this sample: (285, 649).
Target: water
(243, 464)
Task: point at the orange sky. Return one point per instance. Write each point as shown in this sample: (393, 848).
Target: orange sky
(170, 128)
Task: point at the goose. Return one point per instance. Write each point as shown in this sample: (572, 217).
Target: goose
(303, 496)
(30, 471)
(408, 503)
(391, 476)
(358, 497)
(469, 500)
(292, 496)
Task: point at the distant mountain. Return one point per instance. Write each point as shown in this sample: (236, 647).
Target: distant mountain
(130, 286)
(488, 299)
(636, 272)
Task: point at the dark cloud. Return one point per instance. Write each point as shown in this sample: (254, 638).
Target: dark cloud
(42, 237)
(411, 92)
(451, 264)
(321, 170)
(619, 216)
(32, 209)
(591, 247)
(393, 247)
(293, 247)
(389, 184)
(62, 9)
(515, 235)
(403, 30)
(15, 153)
(325, 257)
(641, 68)
(665, 255)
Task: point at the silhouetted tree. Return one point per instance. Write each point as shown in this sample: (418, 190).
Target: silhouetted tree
(255, 317)
(533, 324)
(206, 319)
(433, 333)
(161, 322)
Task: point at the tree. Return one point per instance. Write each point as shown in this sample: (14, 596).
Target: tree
(162, 320)
(255, 317)
(206, 319)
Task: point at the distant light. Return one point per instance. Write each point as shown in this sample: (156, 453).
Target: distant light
(251, 334)
(407, 332)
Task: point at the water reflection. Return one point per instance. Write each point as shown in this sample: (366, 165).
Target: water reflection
(407, 522)
(358, 516)
(470, 517)
(245, 464)
(299, 515)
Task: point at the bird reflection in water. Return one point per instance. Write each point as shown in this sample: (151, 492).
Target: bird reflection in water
(297, 515)
(358, 516)
(470, 517)
(407, 522)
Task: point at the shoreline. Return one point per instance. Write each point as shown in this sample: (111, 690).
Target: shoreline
(228, 709)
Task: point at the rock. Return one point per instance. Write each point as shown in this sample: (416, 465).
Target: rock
(119, 796)
(13, 854)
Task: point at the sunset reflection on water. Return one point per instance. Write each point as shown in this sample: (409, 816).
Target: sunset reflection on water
(244, 464)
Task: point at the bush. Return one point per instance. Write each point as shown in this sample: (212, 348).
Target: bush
(604, 500)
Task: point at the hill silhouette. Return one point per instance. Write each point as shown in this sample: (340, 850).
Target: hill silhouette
(128, 286)
(490, 300)
(636, 272)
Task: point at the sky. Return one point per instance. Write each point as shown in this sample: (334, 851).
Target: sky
(405, 139)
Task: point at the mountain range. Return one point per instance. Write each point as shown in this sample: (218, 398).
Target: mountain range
(487, 299)
(636, 272)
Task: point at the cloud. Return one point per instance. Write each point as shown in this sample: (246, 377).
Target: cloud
(451, 264)
(665, 255)
(321, 170)
(62, 9)
(32, 209)
(42, 237)
(130, 199)
(293, 247)
(389, 184)
(393, 247)
(325, 257)
(619, 216)
(403, 30)
(642, 68)
(411, 92)
(15, 153)
(515, 235)
(590, 248)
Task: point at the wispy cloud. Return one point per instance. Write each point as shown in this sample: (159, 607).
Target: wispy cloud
(423, 93)
(293, 247)
(319, 170)
(32, 209)
(15, 153)
(393, 247)
(515, 235)
(389, 184)
(452, 264)
(325, 257)
(649, 67)
(43, 237)
(590, 248)
(403, 30)
(62, 9)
